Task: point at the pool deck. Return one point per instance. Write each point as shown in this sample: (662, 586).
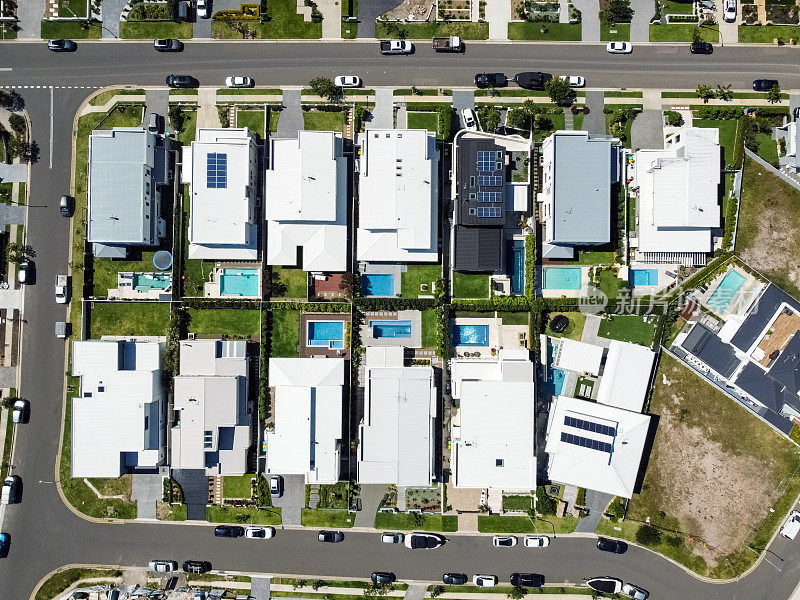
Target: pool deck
(750, 290)
(212, 289)
(559, 293)
(305, 351)
(126, 292)
(481, 351)
(415, 316)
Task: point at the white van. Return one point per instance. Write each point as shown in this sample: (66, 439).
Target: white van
(792, 526)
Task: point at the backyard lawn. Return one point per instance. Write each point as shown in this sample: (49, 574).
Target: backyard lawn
(545, 31)
(410, 522)
(430, 323)
(610, 284)
(237, 486)
(285, 333)
(514, 318)
(323, 121)
(575, 328)
(767, 148)
(283, 22)
(289, 282)
(423, 120)
(128, 318)
(593, 257)
(417, 275)
(470, 285)
(196, 273)
(252, 119)
(233, 322)
(628, 328)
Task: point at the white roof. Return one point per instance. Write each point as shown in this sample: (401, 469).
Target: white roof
(397, 435)
(308, 417)
(120, 392)
(678, 192)
(613, 465)
(306, 201)
(511, 365)
(626, 376)
(398, 196)
(579, 356)
(220, 167)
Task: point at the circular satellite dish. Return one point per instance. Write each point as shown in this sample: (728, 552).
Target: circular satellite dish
(559, 323)
(162, 260)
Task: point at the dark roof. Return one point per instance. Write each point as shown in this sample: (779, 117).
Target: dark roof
(768, 391)
(760, 314)
(479, 249)
(705, 345)
(479, 163)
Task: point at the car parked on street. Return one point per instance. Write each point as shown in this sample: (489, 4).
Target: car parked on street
(330, 537)
(484, 580)
(635, 592)
(532, 80)
(259, 533)
(168, 45)
(347, 81)
(423, 540)
(701, 48)
(383, 577)
(392, 538)
(229, 531)
(537, 541)
(26, 272)
(606, 585)
(62, 45)
(196, 566)
(163, 566)
(5, 544)
(791, 527)
(239, 81)
(619, 47)
(489, 80)
(276, 486)
(504, 541)
(66, 206)
(527, 580)
(455, 578)
(20, 411)
(181, 81)
(613, 546)
(10, 492)
(574, 80)
(764, 85)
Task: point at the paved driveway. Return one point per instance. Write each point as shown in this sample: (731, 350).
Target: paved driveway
(202, 28)
(590, 19)
(382, 116)
(648, 130)
(293, 499)
(462, 99)
(291, 119)
(595, 122)
(112, 10)
(368, 11)
(643, 11)
(194, 484)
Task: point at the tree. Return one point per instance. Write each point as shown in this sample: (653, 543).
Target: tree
(517, 592)
(437, 591)
(560, 91)
(673, 118)
(347, 285)
(615, 11)
(8, 402)
(17, 123)
(318, 583)
(697, 36)
(647, 535)
(706, 92)
(16, 252)
(489, 117)
(176, 117)
(774, 94)
(724, 93)
(324, 87)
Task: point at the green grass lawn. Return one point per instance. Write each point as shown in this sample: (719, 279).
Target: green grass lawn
(326, 518)
(249, 92)
(196, 273)
(623, 32)
(284, 22)
(73, 8)
(233, 322)
(501, 524)
(289, 282)
(7, 445)
(423, 120)
(593, 257)
(186, 136)
(154, 29)
(58, 582)
(323, 121)
(767, 148)
(415, 276)
(514, 318)
(56, 30)
(183, 92)
(430, 323)
(766, 34)
(552, 31)
(470, 285)
(236, 514)
(727, 134)
(7, 32)
(628, 328)
(420, 92)
(672, 7)
(407, 522)
(107, 95)
(610, 284)
(523, 503)
(575, 328)
(285, 333)
(621, 94)
(426, 31)
(237, 486)
(177, 512)
(683, 32)
(129, 318)
(252, 119)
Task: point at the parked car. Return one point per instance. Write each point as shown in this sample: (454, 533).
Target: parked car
(392, 538)
(162, 566)
(527, 580)
(203, 8)
(423, 540)
(5, 544)
(730, 11)
(347, 81)
(537, 541)
(239, 81)
(10, 492)
(606, 585)
(62, 45)
(181, 81)
(791, 528)
(701, 48)
(155, 123)
(382, 577)
(634, 591)
(276, 486)
(259, 533)
(619, 47)
(764, 85)
(230, 531)
(470, 120)
(504, 541)
(20, 411)
(168, 45)
(330, 537)
(196, 566)
(613, 546)
(574, 80)
(26, 272)
(487, 80)
(455, 578)
(484, 580)
(66, 206)
(396, 47)
(532, 80)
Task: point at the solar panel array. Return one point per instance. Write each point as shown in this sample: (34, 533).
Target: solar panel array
(489, 197)
(217, 170)
(577, 440)
(490, 180)
(486, 160)
(590, 426)
(489, 211)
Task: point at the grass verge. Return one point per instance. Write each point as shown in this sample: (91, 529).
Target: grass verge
(326, 518)
(409, 522)
(60, 581)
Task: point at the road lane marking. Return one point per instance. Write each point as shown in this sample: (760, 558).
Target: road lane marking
(51, 127)
(6, 69)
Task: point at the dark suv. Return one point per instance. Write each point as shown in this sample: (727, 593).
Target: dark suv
(196, 566)
(487, 80)
(532, 80)
(62, 45)
(168, 45)
(613, 546)
(764, 85)
(383, 577)
(527, 580)
(701, 48)
(181, 81)
(231, 531)
(455, 578)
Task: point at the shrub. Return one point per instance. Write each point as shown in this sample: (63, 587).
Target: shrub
(719, 112)
(545, 505)
(445, 112)
(673, 118)
(17, 123)
(647, 535)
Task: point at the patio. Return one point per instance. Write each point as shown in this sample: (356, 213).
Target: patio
(413, 340)
(477, 350)
(142, 286)
(311, 351)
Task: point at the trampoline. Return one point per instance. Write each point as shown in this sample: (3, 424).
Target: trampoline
(559, 323)
(162, 260)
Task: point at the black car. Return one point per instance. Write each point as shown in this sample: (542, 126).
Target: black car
(230, 531)
(196, 566)
(532, 80)
(181, 81)
(66, 206)
(764, 85)
(614, 546)
(487, 80)
(383, 577)
(701, 48)
(62, 45)
(168, 45)
(331, 537)
(527, 580)
(455, 578)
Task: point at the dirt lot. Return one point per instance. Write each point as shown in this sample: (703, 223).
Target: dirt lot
(769, 227)
(419, 9)
(713, 470)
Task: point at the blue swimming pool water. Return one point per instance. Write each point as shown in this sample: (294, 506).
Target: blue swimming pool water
(562, 278)
(377, 285)
(239, 282)
(390, 329)
(558, 379)
(516, 266)
(151, 281)
(644, 277)
(325, 333)
(470, 335)
(725, 291)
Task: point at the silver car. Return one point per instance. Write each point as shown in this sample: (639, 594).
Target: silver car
(163, 566)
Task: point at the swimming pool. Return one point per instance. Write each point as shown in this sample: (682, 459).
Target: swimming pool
(325, 333)
(377, 285)
(390, 329)
(644, 277)
(516, 266)
(562, 278)
(725, 291)
(151, 281)
(558, 379)
(239, 282)
(470, 335)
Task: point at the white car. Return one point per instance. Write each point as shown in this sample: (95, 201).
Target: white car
(619, 47)
(470, 120)
(162, 566)
(203, 9)
(392, 538)
(347, 81)
(239, 81)
(537, 541)
(574, 80)
(635, 592)
(504, 541)
(730, 11)
(259, 533)
(485, 580)
(791, 528)
(19, 414)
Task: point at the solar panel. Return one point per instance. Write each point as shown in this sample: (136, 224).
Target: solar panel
(486, 160)
(489, 197)
(216, 170)
(489, 211)
(490, 180)
(583, 442)
(590, 426)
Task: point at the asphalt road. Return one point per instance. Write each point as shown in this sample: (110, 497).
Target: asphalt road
(46, 535)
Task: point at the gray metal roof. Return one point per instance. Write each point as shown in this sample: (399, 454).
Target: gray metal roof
(479, 249)
(705, 345)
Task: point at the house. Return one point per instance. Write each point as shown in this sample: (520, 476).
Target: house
(118, 415)
(128, 171)
(221, 168)
(212, 415)
(397, 434)
(788, 133)
(307, 436)
(492, 431)
(398, 215)
(306, 202)
(580, 172)
(677, 203)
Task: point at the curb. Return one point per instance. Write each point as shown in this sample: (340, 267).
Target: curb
(67, 567)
